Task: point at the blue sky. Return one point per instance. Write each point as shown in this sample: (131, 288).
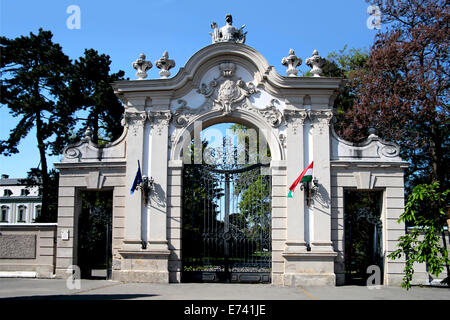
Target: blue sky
(123, 29)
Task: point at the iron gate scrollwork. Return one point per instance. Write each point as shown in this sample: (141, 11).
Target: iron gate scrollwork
(226, 234)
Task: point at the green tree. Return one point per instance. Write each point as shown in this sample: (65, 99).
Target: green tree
(93, 94)
(344, 64)
(426, 209)
(47, 92)
(402, 91)
(35, 73)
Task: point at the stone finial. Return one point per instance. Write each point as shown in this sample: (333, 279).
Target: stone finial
(316, 62)
(291, 62)
(372, 132)
(165, 64)
(228, 33)
(142, 66)
(88, 133)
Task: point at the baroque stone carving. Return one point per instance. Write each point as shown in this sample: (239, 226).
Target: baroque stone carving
(159, 120)
(282, 138)
(291, 62)
(142, 66)
(226, 94)
(134, 120)
(227, 33)
(227, 91)
(316, 62)
(320, 119)
(271, 113)
(295, 118)
(387, 149)
(72, 153)
(184, 113)
(165, 64)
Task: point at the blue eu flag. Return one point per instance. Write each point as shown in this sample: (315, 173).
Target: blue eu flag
(137, 179)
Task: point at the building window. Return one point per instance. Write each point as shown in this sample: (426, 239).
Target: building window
(37, 212)
(7, 193)
(24, 192)
(4, 214)
(21, 214)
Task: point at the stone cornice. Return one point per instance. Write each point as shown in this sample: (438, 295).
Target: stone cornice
(92, 165)
(337, 164)
(189, 76)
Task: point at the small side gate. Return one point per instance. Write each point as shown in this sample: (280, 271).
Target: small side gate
(226, 235)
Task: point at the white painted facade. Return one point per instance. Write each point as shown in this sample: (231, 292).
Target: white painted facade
(18, 204)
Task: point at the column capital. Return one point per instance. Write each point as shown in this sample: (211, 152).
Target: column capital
(134, 120)
(159, 119)
(320, 118)
(295, 118)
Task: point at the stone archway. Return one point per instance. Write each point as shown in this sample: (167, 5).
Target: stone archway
(183, 140)
(228, 81)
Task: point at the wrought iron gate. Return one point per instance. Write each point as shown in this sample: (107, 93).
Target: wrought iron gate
(363, 234)
(95, 235)
(226, 234)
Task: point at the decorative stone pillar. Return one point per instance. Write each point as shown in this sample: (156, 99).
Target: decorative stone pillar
(157, 233)
(295, 161)
(321, 204)
(135, 121)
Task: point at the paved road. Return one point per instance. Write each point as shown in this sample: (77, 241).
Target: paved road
(102, 289)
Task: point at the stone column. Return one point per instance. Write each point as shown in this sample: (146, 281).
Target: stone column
(321, 204)
(295, 164)
(157, 206)
(135, 118)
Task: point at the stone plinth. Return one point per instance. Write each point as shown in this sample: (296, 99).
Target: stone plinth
(143, 266)
(309, 269)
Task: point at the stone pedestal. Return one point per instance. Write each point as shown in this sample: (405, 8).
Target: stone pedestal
(309, 269)
(143, 266)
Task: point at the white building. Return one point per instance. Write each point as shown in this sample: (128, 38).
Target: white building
(18, 203)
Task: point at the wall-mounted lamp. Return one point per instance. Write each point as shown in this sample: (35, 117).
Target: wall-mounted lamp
(147, 186)
(311, 188)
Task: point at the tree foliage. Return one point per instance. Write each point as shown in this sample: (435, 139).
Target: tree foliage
(91, 87)
(403, 87)
(35, 73)
(45, 91)
(426, 209)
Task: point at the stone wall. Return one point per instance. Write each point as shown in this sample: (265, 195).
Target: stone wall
(95, 176)
(28, 249)
(379, 177)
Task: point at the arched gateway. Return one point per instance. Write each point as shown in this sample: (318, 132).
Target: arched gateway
(229, 81)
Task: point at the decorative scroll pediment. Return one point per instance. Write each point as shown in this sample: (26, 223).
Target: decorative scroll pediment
(226, 94)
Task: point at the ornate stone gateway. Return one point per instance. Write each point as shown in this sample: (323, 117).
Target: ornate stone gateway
(226, 224)
(301, 240)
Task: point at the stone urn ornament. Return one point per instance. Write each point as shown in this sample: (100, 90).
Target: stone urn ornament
(291, 62)
(142, 66)
(316, 62)
(165, 64)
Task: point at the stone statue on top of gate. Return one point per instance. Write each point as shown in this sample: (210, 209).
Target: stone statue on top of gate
(227, 33)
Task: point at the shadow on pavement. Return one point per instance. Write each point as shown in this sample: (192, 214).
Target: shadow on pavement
(81, 297)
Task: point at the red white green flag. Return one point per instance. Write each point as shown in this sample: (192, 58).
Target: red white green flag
(305, 176)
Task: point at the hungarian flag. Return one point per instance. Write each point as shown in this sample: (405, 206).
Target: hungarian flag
(305, 176)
